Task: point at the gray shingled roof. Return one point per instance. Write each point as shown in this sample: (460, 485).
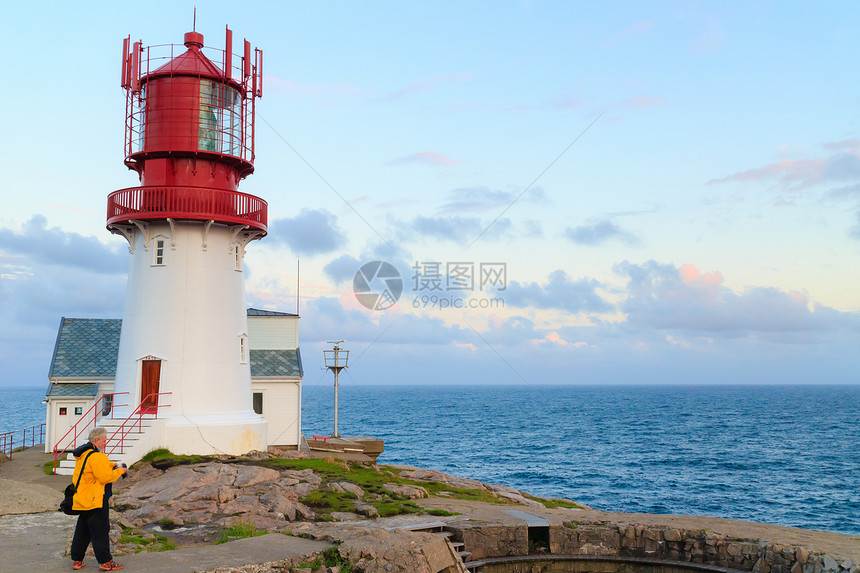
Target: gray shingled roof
(71, 389)
(86, 348)
(276, 363)
(258, 312)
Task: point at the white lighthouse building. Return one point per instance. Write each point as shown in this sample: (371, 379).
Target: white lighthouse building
(183, 358)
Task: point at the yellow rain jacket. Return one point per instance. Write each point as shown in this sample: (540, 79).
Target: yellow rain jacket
(97, 474)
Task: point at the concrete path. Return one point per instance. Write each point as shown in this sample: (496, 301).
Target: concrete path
(35, 537)
(39, 541)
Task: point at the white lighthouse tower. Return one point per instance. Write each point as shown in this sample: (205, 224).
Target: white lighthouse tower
(183, 361)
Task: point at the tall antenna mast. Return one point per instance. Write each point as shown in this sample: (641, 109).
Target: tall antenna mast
(194, 25)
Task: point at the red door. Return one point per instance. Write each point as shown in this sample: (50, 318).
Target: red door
(149, 378)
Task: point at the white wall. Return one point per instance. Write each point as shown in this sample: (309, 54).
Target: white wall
(58, 425)
(189, 312)
(273, 332)
(282, 408)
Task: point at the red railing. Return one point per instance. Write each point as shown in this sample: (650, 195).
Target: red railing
(8, 440)
(243, 70)
(75, 431)
(180, 202)
(148, 407)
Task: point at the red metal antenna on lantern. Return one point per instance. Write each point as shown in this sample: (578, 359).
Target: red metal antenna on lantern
(189, 133)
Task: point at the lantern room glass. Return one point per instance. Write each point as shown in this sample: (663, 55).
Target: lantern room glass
(220, 119)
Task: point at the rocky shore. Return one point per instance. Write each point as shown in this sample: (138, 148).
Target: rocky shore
(394, 518)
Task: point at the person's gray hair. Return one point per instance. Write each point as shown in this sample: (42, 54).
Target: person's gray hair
(97, 434)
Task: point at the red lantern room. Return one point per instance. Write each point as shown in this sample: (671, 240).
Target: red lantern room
(189, 134)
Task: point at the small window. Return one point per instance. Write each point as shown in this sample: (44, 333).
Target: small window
(243, 348)
(63, 411)
(107, 404)
(238, 254)
(258, 403)
(79, 410)
(158, 255)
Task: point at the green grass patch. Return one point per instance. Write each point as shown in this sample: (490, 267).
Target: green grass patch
(163, 543)
(435, 488)
(240, 530)
(371, 480)
(440, 512)
(329, 501)
(331, 558)
(312, 565)
(368, 477)
(553, 503)
(396, 507)
(163, 458)
(48, 467)
(134, 539)
(146, 542)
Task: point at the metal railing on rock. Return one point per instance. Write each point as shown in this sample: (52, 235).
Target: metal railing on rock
(9, 440)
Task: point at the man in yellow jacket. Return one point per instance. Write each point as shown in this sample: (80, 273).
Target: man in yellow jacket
(93, 525)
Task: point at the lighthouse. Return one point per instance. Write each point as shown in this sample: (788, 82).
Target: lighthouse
(183, 363)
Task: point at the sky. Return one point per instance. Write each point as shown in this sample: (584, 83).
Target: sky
(578, 193)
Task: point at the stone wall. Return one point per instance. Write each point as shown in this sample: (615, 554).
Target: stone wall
(495, 541)
(657, 543)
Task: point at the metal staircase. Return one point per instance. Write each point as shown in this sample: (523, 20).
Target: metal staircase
(123, 434)
(66, 466)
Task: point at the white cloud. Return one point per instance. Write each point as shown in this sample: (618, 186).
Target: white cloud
(665, 297)
(36, 243)
(311, 232)
(599, 233)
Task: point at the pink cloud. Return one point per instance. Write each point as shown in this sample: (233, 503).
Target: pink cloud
(694, 277)
(427, 158)
(801, 171)
(555, 338)
(666, 297)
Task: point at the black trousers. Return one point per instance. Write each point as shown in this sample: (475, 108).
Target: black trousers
(93, 526)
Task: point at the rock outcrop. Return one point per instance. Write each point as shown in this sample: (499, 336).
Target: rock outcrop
(214, 493)
(386, 551)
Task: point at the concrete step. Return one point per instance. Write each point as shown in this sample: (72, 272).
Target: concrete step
(66, 466)
(430, 527)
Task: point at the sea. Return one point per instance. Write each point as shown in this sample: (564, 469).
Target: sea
(788, 455)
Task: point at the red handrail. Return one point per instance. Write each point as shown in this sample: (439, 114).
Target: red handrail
(7, 439)
(78, 431)
(185, 202)
(123, 430)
